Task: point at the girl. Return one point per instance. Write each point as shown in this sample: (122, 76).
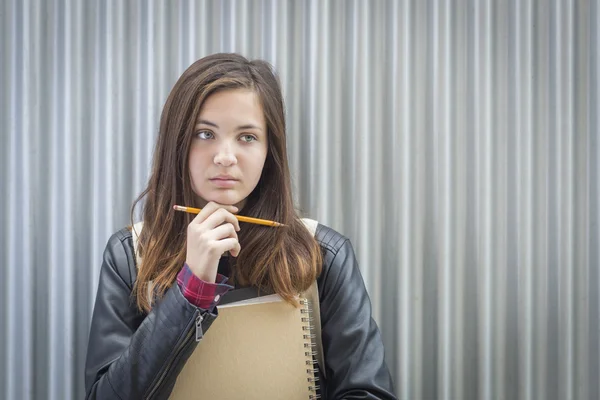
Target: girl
(222, 147)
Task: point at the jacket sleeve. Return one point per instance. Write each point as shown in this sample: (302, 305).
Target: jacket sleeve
(352, 345)
(130, 355)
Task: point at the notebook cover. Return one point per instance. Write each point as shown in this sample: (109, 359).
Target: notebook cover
(253, 350)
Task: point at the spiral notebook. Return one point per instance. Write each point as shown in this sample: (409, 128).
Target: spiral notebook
(260, 348)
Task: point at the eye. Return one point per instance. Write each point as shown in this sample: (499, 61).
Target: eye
(248, 138)
(205, 135)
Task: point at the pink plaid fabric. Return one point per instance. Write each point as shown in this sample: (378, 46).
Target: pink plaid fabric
(202, 294)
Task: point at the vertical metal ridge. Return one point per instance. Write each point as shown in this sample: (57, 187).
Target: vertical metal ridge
(407, 346)
(594, 198)
(5, 187)
(581, 204)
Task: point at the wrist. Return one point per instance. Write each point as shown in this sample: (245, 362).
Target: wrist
(202, 274)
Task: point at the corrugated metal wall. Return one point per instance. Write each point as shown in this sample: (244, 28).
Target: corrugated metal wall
(455, 142)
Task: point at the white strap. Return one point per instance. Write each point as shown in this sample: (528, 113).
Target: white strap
(136, 230)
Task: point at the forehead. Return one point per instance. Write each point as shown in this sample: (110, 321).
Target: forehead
(234, 105)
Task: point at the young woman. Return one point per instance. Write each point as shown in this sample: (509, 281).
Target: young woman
(222, 147)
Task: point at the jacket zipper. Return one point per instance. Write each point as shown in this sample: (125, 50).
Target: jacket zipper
(180, 347)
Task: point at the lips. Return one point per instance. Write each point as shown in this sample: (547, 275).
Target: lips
(223, 181)
(223, 178)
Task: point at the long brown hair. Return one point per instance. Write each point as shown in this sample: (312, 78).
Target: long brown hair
(283, 260)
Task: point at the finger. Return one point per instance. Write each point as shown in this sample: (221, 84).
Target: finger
(236, 251)
(220, 217)
(206, 211)
(229, 244)
(209, 209)
(222, 232)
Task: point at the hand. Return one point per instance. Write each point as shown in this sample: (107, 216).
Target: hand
(209, 235)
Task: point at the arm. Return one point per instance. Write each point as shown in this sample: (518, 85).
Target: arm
(129, 355)
(352, 345)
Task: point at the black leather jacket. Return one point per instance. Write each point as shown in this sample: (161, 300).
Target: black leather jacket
(118, 365)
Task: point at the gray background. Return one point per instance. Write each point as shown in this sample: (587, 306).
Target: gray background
(454, 142)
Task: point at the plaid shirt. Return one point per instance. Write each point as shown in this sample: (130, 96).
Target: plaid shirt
(202, 294)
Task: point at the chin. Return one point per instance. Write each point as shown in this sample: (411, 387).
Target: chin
(228, 199)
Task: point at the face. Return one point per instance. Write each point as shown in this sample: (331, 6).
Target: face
(229, 147)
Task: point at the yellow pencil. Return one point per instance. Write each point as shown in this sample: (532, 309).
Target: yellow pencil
(240, 218)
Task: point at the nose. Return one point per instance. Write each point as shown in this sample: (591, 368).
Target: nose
(225, 157)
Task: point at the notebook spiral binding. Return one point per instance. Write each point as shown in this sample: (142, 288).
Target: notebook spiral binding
(310, 353)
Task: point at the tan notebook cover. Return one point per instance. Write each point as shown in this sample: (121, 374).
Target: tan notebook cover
(256, 349)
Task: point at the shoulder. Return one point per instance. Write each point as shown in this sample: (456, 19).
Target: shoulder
(119, 255)
(330, 240)
(339, 260)
(341, 275)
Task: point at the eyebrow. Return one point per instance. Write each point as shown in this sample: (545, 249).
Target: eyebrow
(241, 127)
